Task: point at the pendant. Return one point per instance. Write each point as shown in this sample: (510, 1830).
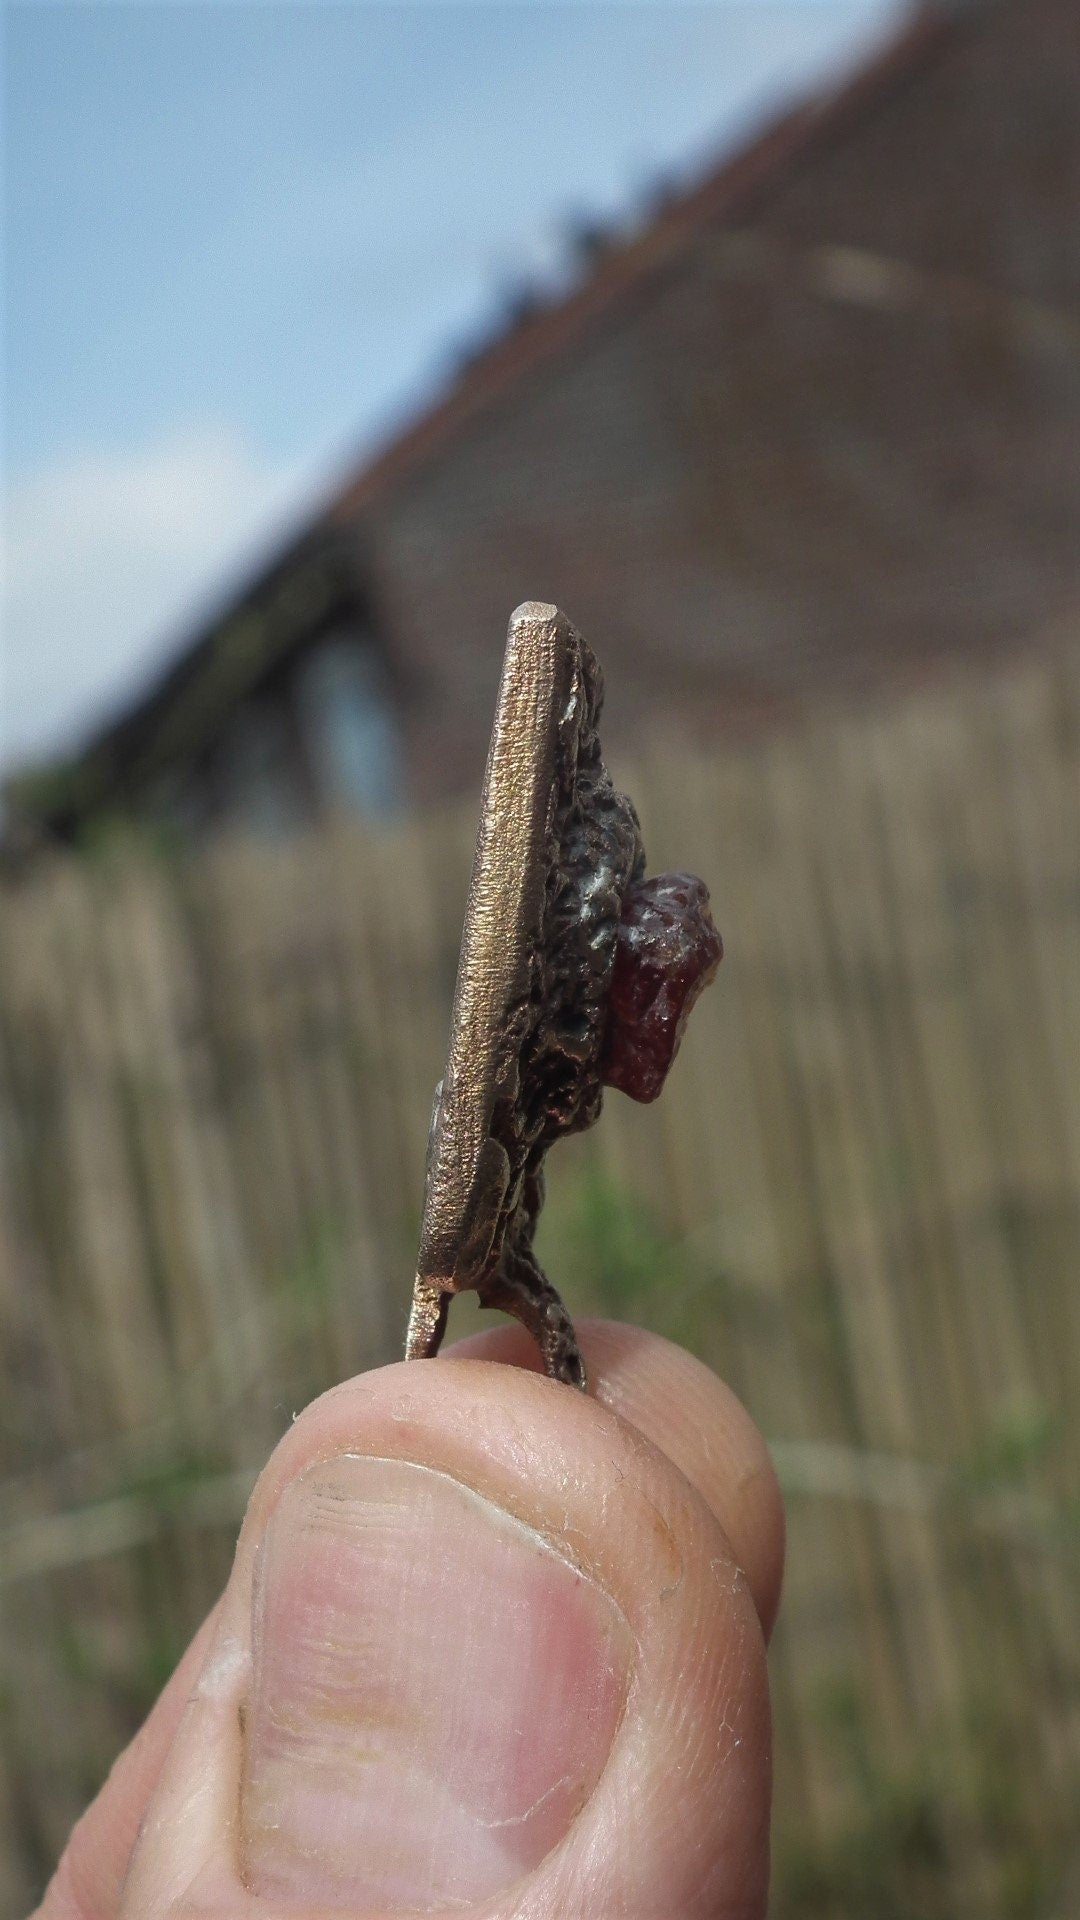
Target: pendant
(575, 973)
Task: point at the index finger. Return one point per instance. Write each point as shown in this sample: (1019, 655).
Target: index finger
(692, 1416)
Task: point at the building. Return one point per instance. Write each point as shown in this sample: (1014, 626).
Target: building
(814, 430)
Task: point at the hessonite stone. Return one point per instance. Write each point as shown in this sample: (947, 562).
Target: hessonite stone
(666, 951)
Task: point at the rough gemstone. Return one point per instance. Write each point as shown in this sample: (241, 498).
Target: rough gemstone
(667, 950)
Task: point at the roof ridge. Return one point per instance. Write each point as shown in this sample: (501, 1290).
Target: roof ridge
(796, 133)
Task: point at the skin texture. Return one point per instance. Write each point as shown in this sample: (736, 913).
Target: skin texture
(650, 1533)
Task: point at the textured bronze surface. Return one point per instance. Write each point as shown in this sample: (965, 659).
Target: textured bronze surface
(558, 856)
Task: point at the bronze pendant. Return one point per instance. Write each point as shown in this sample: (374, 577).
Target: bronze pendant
(575, 972)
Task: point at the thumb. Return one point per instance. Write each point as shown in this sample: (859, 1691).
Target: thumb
(484, 1648)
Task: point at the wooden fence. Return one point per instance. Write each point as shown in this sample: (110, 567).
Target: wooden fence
(858, 1199)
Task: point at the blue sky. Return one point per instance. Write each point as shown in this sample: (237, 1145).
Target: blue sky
(244, 240)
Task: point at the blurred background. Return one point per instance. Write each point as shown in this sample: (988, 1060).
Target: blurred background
(749, 333)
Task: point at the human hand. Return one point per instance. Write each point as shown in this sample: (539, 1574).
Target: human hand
(488, 1646)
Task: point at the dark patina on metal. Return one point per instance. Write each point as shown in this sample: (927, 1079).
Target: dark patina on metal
(574, 972)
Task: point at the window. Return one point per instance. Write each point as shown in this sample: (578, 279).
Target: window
(259, 777)
(350, 726)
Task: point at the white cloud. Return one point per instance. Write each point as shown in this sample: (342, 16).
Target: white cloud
(110, 555)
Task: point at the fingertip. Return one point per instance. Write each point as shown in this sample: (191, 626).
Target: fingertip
(448, 1472)
(692, 1416)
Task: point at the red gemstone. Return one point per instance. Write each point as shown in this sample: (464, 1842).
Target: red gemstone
(667, 950)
